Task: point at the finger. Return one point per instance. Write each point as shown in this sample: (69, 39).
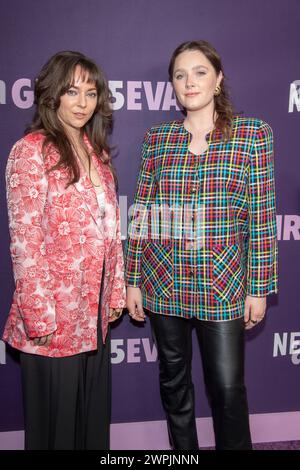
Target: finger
(117, 314)
(252, 322)
(247, 313)
(139, 310)
(110, 312)
(112, 319)
(255, 319)
(136, 318)
(135, 314)
(139, 315)
(249, 325)
(43, 340)
(131, 308)
(49, 339)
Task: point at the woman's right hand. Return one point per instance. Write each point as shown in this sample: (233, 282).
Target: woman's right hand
(135, 303)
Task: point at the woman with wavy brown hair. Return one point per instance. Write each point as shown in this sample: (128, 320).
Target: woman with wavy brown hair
(202, 246)
(67, 257)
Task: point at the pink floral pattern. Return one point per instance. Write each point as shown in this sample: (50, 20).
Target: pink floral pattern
(60, 243)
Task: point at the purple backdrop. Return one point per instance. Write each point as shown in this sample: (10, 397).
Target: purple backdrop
(133, 40)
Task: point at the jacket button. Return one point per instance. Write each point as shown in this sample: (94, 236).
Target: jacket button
(194, 189)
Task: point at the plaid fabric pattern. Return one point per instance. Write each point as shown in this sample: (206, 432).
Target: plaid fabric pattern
(202, 232)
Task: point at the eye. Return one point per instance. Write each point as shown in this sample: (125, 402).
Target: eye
(71, 92)
(179, 76)
(92, 94)
(201, 72)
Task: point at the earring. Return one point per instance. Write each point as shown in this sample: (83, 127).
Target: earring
(217, 90)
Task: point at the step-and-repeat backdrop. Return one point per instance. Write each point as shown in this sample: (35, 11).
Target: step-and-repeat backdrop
(132, 40)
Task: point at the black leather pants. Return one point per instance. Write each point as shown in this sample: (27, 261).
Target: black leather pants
(222, 351)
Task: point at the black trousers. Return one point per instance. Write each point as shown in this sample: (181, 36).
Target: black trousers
(222, 352)
(67, 400)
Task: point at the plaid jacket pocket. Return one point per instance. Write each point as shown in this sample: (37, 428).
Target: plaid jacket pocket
(157, 269)
(228, 273)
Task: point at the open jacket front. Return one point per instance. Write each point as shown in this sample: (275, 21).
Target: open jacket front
(60, 243)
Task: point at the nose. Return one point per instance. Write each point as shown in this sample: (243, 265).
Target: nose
(82, 100)
(189, 83)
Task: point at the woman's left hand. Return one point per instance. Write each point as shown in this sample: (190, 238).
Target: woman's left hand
(43, 340)
(114, 314)
(255, 310)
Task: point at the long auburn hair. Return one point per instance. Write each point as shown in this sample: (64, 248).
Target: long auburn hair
(223, 104)
(53, 81)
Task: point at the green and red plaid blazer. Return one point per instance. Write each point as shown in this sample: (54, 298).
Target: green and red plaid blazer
(202, 232)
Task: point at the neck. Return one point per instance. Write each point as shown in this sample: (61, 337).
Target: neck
(201, 119)
(74, 135)
(75, 138)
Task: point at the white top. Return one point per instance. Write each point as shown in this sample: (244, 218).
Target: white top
(108, 223)
(101, 202)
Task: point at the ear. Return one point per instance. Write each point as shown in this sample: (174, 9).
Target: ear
(220, 78)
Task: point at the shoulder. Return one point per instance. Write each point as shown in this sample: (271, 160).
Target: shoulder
(162, 130)
(29, 144)
(251, 126)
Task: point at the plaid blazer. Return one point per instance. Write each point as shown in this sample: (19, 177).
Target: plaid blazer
(202, 232)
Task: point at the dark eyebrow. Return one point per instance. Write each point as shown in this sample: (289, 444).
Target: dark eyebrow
(77, 88)
(194, 68)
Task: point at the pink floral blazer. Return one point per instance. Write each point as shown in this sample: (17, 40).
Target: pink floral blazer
(60, 243)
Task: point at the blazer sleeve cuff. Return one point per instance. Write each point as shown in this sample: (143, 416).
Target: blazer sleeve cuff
(262, 290)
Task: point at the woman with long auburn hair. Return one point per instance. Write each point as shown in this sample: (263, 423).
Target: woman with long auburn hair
(67, 257)
(202, 246)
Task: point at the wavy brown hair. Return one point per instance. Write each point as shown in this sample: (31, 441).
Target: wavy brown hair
(223, 104)
(53, 81)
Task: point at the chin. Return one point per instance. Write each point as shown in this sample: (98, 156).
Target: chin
(194, 108)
